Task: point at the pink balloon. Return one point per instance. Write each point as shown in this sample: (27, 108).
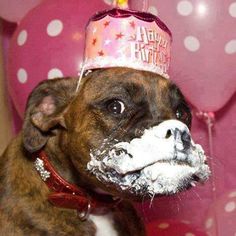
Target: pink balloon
(15, 10)
(203, 49)
(221, 217)
(172, 227)
(48, 43)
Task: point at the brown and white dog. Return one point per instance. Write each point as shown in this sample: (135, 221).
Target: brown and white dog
(123, 135)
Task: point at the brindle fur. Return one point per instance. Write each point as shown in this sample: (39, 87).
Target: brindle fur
(67, 125)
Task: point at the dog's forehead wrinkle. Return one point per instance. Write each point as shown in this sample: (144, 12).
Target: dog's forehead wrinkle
(116, 76)
(107, 89)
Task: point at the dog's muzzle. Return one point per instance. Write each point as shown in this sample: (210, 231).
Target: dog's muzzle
(164, 160)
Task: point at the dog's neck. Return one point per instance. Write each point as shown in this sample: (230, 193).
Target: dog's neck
(64, 166)
(66, 194)
(60, 161)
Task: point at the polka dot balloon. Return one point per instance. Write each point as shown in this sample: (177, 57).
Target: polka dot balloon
(203, 49)
(172, 227)
(48, 43)
(15, 10)
(221, 216)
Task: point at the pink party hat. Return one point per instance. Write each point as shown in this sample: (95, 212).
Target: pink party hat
(126, 38)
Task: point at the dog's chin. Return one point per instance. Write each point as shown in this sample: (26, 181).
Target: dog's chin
(150, 165)
(160, 178)
(134, 179)
(167, 178)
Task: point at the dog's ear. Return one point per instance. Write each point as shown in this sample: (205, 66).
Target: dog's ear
(45, 108)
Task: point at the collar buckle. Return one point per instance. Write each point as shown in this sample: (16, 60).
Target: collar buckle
(83, 215)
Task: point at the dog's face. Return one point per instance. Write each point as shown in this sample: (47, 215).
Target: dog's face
(125, 131)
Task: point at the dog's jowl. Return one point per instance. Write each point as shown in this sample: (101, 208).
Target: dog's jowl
(83, 156)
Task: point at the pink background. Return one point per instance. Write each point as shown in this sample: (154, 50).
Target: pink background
(209, 84)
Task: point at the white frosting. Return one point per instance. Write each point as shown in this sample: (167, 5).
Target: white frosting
(155, 163)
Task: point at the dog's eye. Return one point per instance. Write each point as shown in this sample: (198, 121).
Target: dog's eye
(183, 114)
(115, 106)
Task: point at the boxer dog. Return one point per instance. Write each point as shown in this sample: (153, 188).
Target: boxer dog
(84, 155)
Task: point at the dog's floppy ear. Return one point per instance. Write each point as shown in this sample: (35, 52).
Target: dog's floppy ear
(45, 108)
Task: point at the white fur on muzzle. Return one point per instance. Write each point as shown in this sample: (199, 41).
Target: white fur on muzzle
(155, 163)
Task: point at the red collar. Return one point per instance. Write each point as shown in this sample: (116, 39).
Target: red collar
(67, 195)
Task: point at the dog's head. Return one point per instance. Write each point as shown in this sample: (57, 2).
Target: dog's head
(125, 131)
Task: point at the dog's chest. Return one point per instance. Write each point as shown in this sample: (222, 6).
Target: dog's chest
(104, 225)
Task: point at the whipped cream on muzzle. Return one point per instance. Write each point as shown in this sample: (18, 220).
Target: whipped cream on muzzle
(159, 162)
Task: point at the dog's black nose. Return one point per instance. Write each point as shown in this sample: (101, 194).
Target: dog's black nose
(182, 136)
(186, 139)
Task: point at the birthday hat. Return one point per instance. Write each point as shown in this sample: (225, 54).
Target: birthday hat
(127, 38)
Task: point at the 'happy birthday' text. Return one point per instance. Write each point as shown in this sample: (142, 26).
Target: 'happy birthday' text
(149, 46)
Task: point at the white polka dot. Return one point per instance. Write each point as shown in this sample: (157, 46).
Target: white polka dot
(22, 75)
(230, 47)
(191, 43)
(163, 226)
(232, 9)
(209, 223)
(54, 28)
(232, 194)
(189, 234)
(230, 206)
(55, 73)
(153, 10)
(184, 8)
(22, 37)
